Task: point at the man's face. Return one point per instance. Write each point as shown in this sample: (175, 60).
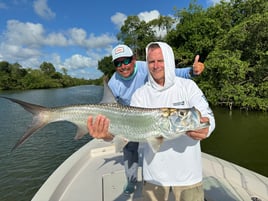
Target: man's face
(156, 65)
(125, 66)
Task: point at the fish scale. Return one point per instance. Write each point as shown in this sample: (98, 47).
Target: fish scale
(129, 122)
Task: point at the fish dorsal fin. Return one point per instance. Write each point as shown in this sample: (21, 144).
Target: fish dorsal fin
(155, 143)
(108, 96)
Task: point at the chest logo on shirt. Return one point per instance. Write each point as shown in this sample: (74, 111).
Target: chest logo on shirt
(179, 103)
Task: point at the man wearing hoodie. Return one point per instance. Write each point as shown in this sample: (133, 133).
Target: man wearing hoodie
(177, 165)
(130, 75)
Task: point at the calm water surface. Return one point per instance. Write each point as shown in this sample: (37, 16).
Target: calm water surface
(23, 171)
(239, 137)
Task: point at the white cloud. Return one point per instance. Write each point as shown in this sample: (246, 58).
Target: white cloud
(82, 66)
(118, 19)
(100, 41)
(25, 34)
(55, 39)
(56, 60)
(30, 35)
(79, 37)
(20, 52)
(41, 8)
(149, 16)
(79, 61)
(29, 44)
(214, 2)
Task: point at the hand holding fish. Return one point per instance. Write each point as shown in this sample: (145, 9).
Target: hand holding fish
(201, 133)
(99, 129)
(198, 67)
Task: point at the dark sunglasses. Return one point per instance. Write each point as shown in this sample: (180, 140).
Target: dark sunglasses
(126, 61)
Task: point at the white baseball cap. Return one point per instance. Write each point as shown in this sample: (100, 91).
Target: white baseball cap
(121, 51)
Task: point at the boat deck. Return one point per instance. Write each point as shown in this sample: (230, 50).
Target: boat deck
(96, 173)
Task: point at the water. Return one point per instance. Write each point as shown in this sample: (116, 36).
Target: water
(23, 171)
(239, 137)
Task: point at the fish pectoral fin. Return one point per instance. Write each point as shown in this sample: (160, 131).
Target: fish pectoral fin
(119, 143)
(155, 143)
(81, 131)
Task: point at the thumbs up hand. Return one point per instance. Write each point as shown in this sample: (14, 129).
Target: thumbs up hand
(198, 67)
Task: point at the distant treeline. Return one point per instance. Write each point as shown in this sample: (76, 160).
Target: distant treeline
(14, 77)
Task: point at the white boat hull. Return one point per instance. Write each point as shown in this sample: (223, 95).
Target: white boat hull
(96, 173)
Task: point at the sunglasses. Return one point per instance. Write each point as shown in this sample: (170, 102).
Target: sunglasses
(126, 61)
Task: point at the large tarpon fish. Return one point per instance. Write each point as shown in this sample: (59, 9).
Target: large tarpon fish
(126, 123)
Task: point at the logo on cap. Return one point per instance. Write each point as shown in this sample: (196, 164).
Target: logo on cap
(119, 50)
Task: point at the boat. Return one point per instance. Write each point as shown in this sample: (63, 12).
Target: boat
(95, 172)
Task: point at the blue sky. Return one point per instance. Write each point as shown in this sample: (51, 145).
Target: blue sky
(72, 34)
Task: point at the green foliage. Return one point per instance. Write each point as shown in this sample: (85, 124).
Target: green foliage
(162, 23)
(48, 69)
(13, 76)
(4, 67)
(225, 82)
(250, 36)
(36, 79)
(137, 34)
(106, 66)
(196, 33)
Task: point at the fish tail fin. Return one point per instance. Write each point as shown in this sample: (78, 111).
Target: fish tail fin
(36, 125)
(38, 122)
(32, 108)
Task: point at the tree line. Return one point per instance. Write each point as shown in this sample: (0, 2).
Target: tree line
(14, 77)
(231, 38)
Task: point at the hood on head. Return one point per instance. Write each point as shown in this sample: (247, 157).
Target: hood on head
(169, 62)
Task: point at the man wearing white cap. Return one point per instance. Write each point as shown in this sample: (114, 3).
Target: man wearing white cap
(130, 75)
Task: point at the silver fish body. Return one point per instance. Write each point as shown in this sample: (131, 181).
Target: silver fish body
(129, 123)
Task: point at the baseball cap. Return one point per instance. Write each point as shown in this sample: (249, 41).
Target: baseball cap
(121, 51)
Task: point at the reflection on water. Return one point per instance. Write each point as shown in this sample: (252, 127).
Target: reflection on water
(239, 137)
